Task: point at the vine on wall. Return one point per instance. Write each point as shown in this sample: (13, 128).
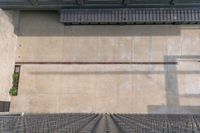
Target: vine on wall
(14, 90)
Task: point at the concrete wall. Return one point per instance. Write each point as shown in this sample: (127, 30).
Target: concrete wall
(106, 88)
(8, 43)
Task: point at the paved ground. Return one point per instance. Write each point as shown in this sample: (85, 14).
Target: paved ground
(106, 88)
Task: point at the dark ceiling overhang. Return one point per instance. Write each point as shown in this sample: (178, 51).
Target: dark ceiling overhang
(115, 11)
(60, 4)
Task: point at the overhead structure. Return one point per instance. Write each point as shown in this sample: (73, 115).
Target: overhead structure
(115, 11)
(131, 16)
(60, 4)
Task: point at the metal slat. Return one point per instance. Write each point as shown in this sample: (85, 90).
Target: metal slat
(112, 123)
(99, 123)
(130, 15)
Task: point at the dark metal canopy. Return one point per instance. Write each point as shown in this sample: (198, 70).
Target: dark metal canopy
(115, 11)
(131, 16)
(59, 4)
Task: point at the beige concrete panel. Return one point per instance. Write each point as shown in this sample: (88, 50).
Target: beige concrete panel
(107, 44)
(39, 48)
(107, 104)
(125, 104)
(41, 36)
(190, 101)
(190, 41)
(78, 45)
(20, 104)
(107, 90)
(79, 103)
(188, 65)
(138, 105)
(173, 45)
(124, 83)
(107, 86)
(42, 79)
(106, 49)
(26, 81)
(142, 49)
(78, 79)
(42, 103)
(47, 78)
(113, 88)
(123, 75)
(79, 84)
(160, 69)
(148, 90)
(165, 40)
(158, 49)
(47, 84)
(124, 49)
(189, 84)
(188, 78)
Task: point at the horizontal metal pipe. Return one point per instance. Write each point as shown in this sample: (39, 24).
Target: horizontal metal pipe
(97, 63)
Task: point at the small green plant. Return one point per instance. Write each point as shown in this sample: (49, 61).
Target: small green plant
(13, 91)
(15, 80)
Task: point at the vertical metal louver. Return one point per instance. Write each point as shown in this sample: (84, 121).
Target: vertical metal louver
(131, 16)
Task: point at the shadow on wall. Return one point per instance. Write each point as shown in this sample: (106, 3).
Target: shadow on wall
(47, 23)
(172, 89)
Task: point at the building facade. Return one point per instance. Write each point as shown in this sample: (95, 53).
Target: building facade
(128, 60)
